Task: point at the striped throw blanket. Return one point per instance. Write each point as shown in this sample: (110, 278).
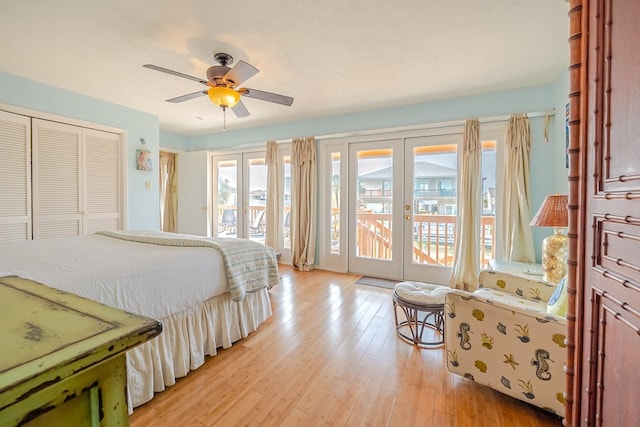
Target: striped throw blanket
(250, 265)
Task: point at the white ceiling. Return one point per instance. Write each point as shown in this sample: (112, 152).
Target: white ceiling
(332, 56)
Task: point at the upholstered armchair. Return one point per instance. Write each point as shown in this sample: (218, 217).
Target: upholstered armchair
(504, 336)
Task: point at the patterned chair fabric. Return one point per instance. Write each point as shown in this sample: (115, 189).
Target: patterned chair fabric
(501, 336)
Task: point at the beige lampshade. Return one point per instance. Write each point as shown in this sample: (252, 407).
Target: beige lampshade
(552, 213)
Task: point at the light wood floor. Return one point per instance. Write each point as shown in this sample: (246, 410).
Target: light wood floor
(330, 356)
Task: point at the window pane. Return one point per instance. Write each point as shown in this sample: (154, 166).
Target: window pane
(287, 201)
(335, 203)
(487, 222)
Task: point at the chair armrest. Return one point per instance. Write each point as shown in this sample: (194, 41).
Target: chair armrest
(534, 289)
(492, 300)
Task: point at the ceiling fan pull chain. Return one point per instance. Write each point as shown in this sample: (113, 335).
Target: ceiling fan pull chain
(224, 119)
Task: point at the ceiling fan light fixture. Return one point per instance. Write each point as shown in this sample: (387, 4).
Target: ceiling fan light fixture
(223, 96)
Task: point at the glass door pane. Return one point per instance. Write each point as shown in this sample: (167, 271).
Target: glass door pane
(374, 222)
(227, 197)
(434, 204)
(375, 218)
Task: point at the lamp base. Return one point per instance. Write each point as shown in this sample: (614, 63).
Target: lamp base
(555, 251)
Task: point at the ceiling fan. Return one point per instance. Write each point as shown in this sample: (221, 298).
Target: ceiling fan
(223, 84)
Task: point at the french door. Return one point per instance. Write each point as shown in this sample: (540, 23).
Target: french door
(402, 207)
(240, 188)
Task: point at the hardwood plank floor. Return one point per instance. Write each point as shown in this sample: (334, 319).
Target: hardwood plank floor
(329, 356)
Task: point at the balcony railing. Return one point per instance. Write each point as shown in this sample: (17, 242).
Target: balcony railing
(433, 238)
(433, 235)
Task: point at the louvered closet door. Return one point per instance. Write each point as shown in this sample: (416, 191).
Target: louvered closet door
(57, 204)
(15, 177)
(101, 181)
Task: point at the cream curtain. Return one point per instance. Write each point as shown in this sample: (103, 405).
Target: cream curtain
(467, 252)
(168, 192)
(274, 193)
(515, 237)
(304, 190)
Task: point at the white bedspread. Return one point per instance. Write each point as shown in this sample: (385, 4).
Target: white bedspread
(150, 280)
(250, 266)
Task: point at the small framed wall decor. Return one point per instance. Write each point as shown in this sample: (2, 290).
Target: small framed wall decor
(143, 160)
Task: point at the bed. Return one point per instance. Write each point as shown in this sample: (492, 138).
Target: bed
(208, 293)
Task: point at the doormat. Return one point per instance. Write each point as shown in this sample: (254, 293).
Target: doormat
(376, 281)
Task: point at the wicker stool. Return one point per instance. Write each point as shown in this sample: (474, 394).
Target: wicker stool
(423, 307)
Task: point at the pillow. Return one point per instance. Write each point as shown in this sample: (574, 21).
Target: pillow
(557, 304)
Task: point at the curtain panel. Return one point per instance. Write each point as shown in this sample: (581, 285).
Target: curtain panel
(274, 195)
(168, 192)
(515, 237)
(467, 241)
(304, 191)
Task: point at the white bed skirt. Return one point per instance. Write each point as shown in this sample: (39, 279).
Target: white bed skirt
(186, 339)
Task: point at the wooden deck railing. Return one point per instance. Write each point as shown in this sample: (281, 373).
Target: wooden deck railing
(433, 236)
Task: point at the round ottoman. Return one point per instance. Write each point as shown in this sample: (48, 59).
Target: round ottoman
(423, 307)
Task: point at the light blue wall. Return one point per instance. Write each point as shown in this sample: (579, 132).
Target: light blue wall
(548, 172)
(143, 205)
(174, 141)
(537, 98)
(561, 92)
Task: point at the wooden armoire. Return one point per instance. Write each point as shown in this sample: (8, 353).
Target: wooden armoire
(603, 382)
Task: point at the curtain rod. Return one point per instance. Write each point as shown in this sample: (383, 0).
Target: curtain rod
(495, 119)
(488, 119)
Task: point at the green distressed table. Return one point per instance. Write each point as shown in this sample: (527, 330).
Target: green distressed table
(62, 357)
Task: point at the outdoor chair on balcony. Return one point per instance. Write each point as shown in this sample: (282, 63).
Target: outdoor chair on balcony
(257, 227)
(286, 226)
(227, 222)
(509, 335)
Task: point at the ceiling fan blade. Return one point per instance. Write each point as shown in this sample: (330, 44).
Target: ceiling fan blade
(187, 96)
(175, 73)
(266, 96)
(240, 110)
(240, 72)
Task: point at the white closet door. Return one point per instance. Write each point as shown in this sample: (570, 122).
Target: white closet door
(102, 186)
(57, 201)
(194, 202)
(15, 177)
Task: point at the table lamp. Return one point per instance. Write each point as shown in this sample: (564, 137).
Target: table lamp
(554, 213)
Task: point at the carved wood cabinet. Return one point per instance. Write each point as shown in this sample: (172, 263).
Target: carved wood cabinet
(63, 357)
(604, 214)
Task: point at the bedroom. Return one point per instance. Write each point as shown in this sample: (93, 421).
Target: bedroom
(26, 90)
